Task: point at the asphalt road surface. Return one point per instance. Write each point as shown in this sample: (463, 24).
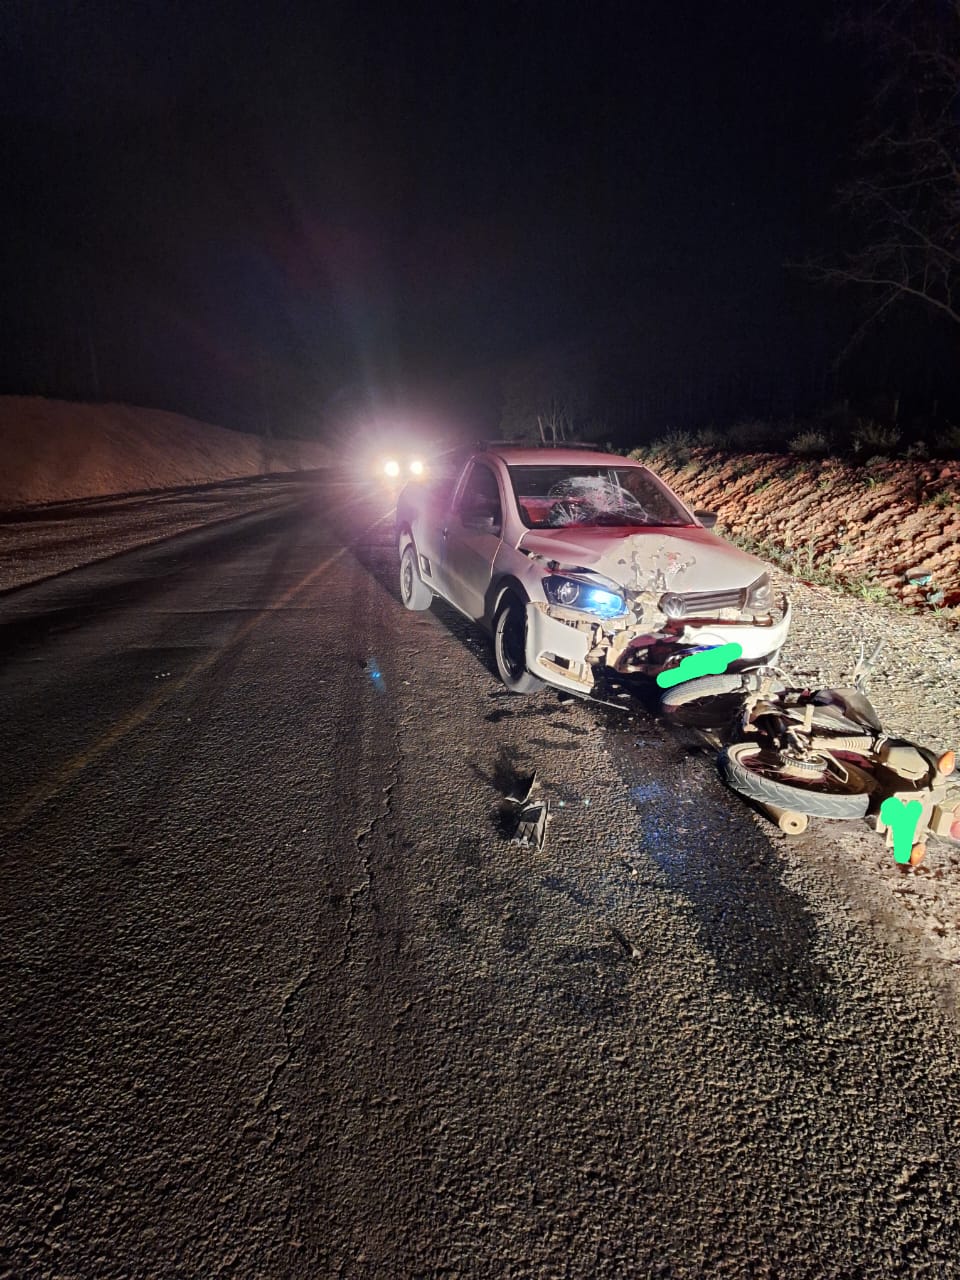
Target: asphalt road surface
(281, 1000)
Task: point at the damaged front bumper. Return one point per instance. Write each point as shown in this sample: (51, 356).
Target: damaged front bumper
(573, 651)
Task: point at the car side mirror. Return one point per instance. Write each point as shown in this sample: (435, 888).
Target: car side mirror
(707, 518)
(477, 522)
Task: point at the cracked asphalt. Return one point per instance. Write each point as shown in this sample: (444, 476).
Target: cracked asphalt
(281, 1000)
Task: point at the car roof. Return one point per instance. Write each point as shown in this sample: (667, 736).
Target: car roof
(513, 455)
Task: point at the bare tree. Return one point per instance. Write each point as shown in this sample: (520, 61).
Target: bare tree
(904, 203)
(546, 396)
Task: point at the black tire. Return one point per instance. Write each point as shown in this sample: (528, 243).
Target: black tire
(414, 592)
(743, 768)
(510, 647)
(708, 687)
(708, 702)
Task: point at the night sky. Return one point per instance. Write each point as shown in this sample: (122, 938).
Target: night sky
(257, 213)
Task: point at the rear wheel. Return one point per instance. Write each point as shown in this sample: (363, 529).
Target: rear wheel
(820, 786)
(414, 592)
(510, 647)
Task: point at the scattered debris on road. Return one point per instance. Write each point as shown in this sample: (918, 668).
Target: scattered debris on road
(532, 815)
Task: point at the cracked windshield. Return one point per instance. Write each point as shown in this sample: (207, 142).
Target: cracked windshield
(556, 497)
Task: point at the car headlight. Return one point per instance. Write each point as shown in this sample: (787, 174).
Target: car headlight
(391, 468)
(575, 593)
(760, 595)
(416, 467)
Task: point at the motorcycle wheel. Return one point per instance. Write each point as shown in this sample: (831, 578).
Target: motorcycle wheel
(709, 702)
(759, 773)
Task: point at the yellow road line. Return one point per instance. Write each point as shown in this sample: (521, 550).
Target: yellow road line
(45, 791)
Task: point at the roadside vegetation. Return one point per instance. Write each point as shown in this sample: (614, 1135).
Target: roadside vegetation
(861, 509)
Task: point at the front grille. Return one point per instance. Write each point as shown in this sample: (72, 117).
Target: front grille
(697, 603)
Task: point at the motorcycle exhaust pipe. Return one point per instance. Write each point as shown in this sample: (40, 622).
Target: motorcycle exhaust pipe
(789, 821)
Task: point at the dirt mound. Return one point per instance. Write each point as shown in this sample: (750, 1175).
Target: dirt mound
(889, 529)
(54, 450)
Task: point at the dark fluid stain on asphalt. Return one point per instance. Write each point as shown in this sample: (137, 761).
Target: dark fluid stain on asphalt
(508, 773)
(518, 929)
(449, 920)
(759, 932)
(504, 820)
(467, 851)
(529, 711)
(559, 885)
(496, 716)
(586, 984)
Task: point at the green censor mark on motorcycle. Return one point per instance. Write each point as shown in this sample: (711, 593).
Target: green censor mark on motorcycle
(708, 662)
(901, 816)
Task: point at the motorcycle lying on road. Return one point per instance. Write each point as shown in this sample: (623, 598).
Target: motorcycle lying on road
(802, 753)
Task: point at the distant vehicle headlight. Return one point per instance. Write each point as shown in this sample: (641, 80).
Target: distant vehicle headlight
(391, 468)
(416, 467)
(574, 593)
(760, 595)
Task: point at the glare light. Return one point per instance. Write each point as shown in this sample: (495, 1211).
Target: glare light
(574, 593)
(392, 468)
(416, 467)
(606, 603)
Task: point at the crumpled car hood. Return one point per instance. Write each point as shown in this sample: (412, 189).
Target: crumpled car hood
(678, 559)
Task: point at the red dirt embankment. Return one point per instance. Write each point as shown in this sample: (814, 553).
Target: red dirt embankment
(54, 450)
(870, 527)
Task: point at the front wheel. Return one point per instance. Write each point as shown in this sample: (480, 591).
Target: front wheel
(820, 786)
(414, 592)
(510, 647)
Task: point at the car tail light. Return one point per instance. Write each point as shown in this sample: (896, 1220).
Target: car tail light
(947, 762)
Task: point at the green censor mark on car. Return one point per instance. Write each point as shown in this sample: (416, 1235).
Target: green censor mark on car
(901, 816)
(708, 662)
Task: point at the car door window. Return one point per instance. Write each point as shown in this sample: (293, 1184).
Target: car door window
(481, 495)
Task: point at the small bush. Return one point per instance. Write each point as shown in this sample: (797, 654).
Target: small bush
(811, 443)
(755, 435)
(868, 434)
(948, 441)
(673, 449)
(709, 438)
(942, 499)
(917, 452)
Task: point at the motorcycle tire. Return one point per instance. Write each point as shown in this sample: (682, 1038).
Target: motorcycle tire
(850, 803)
(707, 702)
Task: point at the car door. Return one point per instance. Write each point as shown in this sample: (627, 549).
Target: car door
(471, 538)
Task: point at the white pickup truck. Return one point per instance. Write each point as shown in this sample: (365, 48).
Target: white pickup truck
(581, 565)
